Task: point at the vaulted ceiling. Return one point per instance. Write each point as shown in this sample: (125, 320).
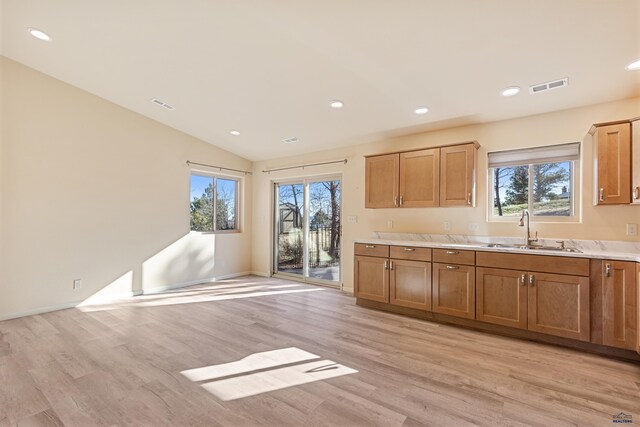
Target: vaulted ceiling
(269, 68)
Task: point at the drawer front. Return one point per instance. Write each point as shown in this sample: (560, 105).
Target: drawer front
(372, 249)
(411, 253)
(454, 256)
(540, 263)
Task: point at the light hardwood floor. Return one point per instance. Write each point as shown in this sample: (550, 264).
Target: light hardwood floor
(168, 360)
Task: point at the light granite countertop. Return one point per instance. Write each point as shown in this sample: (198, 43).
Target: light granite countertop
(596, 249)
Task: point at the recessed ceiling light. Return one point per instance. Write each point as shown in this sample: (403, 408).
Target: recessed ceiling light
(291, 140)
(510, 91)
(336, 104)
(234, 132)
(39, 34)
(635, 65)
(421, 110)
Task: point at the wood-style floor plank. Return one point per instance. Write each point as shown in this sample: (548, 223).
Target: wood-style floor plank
(127, 363)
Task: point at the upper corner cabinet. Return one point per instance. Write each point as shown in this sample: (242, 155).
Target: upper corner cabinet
(612, 162)
(458, 165)
(439, 176)
(635, 167)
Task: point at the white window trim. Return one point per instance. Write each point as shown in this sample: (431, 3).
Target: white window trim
(239, 206)
(575, 180)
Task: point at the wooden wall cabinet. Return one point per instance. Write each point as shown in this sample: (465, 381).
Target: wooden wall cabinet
(635, 162)
(457, 175)
(612, 163)
(440, 176)
(615, 303)
(381, 181)
(454, 290)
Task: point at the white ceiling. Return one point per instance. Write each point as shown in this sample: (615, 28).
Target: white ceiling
(270, 68)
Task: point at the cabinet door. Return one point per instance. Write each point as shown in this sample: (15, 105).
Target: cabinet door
(457, 175)
(559, 305)
(371, 278)
(501, 297)
(420, 178)
(381, 181)
(410, 284)
(638, 306)
(619, 324)
(454, 290)
(613, 164)
(635, 163)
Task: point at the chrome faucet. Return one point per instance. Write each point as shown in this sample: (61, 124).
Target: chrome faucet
(524, 222)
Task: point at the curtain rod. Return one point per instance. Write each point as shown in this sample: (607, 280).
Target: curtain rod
(344, 161)
(218, 167)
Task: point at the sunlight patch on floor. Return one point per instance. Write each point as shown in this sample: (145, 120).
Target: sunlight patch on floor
(264, 372)
(174, 300)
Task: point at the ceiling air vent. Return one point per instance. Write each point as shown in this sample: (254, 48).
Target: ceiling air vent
(162, 104)
(542, 87)
(292, 140)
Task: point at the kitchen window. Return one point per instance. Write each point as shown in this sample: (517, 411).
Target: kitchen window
(542, 180)
(214, 203)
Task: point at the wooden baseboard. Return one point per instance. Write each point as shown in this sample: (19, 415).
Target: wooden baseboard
(617, 353)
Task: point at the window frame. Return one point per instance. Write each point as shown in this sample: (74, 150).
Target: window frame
(574, 182)
(238, 187)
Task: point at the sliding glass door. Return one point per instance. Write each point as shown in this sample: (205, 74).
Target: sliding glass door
(308, 229)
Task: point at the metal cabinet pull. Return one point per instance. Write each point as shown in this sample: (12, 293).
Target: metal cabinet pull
(531, 280)
(369, 246)
(523, 279)
(602, 194)
(395, 200)
(636, 193)
(452, 267)
(607, 269)
(401, 200)
(390, 265)
(468, 198)
(452, 252)
(386, 264)
(409, 249)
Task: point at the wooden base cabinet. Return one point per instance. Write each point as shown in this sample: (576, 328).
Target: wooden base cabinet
(559, 305)
(555, 304)
(410, 284)
(372, 278)
(619, 304)
(454, 290)
(501, 297)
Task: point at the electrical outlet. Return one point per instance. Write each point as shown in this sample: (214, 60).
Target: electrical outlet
(389, 224)
(352, 219)
(77, 284)
(632, 229)
(474, 226)
(447, 226)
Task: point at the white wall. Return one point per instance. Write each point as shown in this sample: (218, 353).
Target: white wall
(604, 222)
(91, 190)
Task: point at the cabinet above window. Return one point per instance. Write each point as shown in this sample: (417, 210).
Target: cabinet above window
(438, 176)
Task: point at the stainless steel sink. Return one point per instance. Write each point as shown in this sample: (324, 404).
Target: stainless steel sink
(533, 247)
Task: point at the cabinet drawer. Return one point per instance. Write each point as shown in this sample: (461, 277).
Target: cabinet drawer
(454, 256)
(372, 249)
(542, 263)
(411, 253)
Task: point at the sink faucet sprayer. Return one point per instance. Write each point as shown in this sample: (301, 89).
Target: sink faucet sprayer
(524, 222)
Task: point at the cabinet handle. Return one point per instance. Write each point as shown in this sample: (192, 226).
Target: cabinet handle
(369, 246)
(401, 200)
(409, 249)
(386, 264)
(390, 265)
(531, 280)
(468, 198)
(636, 193)
(452, 267)
(602, 194)
(607, 269)
(523, 279)
(452, 252)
